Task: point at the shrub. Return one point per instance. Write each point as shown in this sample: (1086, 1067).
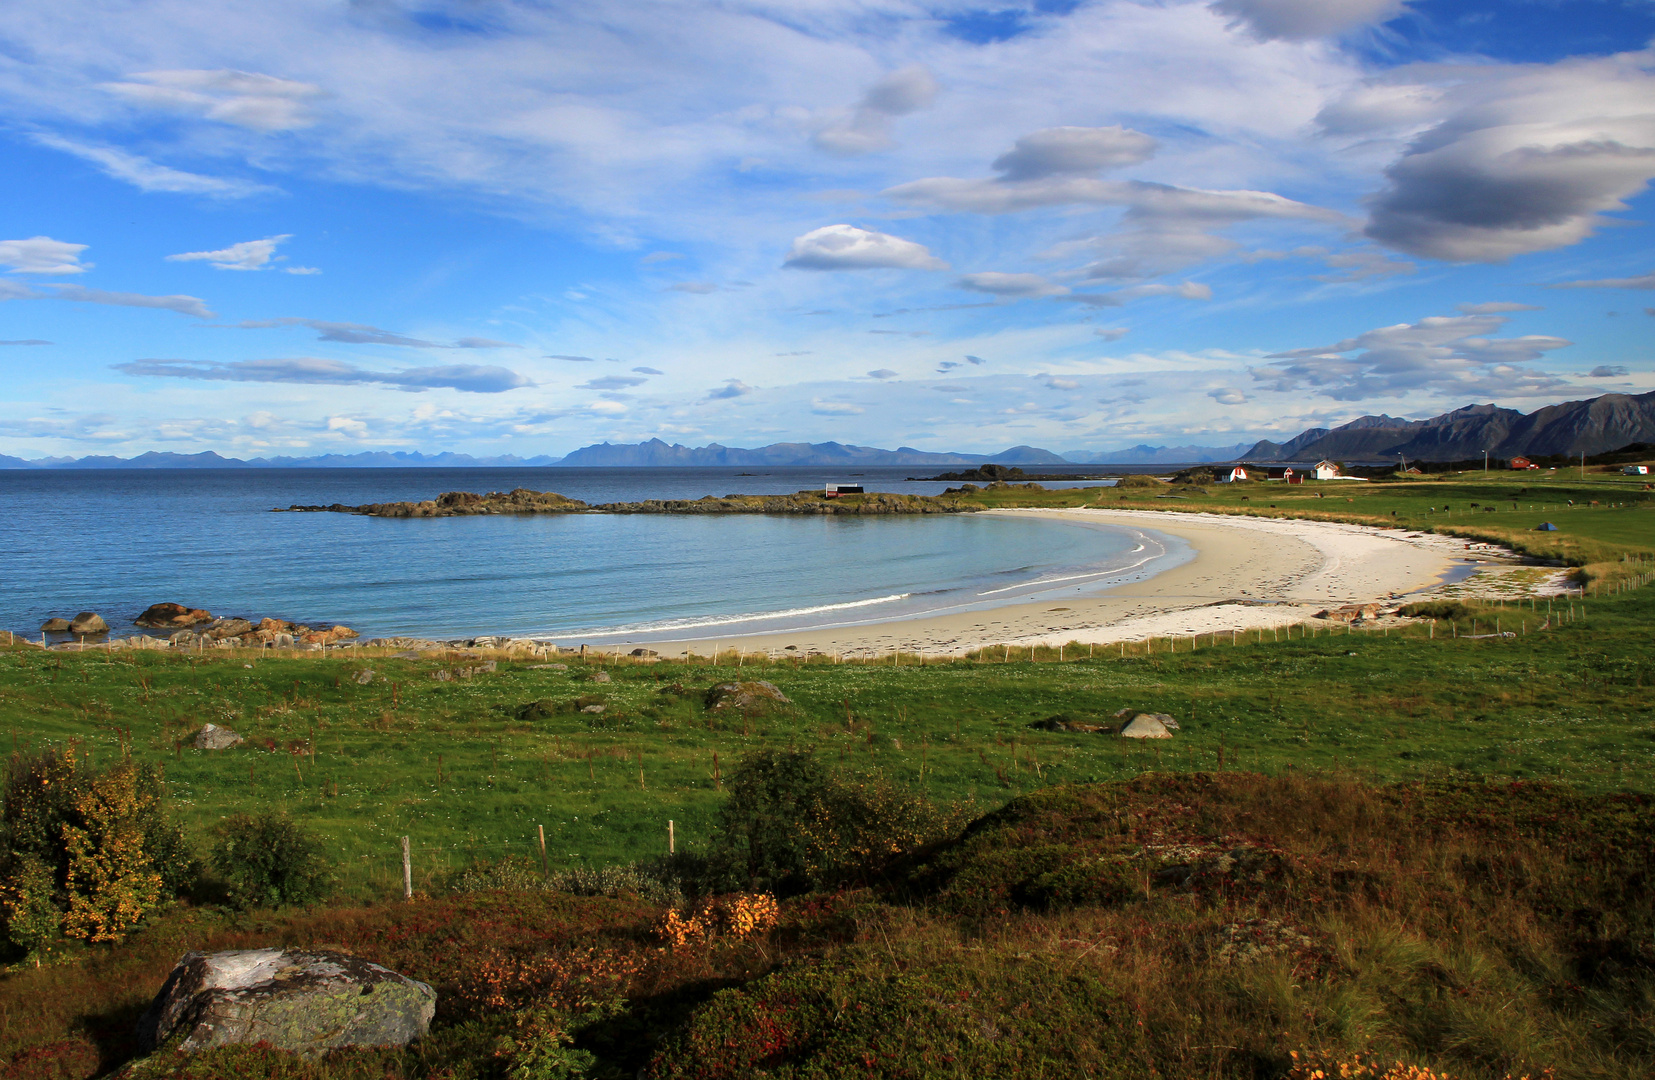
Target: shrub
(1436, 609)
(269, 860)
(86, 853)
(791, 824)
(1137, 480)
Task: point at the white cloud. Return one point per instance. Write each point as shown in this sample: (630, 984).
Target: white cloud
(1443, 353)
(1497, 307)
(146, 175)
(1525, 158)
(246, 99)
(1228, 395)
(648, 371)
(612, 382)
(42, 255)
(882, 373)
(184, 305)
(247, 255)
(1643, 281)
(347, 333)
(834, 408)
(1186, 290)
(867, 128)
(1070, 151)
(1299, 20)
(472, 378)
(1011, 285)
(1111, 333)
(1608, 371)
(732, 388)
(845, 247)
(306, 270)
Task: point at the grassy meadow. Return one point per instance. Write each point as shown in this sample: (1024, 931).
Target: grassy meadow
(1465, 820)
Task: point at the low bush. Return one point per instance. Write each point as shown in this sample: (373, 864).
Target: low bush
(269, 860)
(1138, 480)
(84, 853)
(1436, 609)
(792, 824)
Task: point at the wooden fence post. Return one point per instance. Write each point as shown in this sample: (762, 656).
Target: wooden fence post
(672, 841)
(407, 871)
(542, 829)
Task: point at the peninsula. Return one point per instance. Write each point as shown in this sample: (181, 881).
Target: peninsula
(524, 501)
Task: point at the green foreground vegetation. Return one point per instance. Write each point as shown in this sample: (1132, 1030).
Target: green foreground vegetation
(1407, 842)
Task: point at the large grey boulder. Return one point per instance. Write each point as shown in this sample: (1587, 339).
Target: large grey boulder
(1145, 726)
(753, 696)
(303, 1001)
(213, 737)
(88, 622)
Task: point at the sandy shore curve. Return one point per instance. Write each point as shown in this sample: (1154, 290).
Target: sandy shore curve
(1246, 573)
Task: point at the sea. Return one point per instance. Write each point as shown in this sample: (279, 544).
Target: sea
(115, 541)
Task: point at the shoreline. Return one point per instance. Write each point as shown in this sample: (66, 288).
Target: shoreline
(1247, 573)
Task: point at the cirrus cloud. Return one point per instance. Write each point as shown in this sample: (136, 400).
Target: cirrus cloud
(471, 378)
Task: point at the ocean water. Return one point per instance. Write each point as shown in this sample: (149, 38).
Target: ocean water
(117, 541)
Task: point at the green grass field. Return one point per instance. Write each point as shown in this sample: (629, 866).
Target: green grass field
(454, 766)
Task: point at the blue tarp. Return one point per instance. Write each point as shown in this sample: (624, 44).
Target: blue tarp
(1545, 526)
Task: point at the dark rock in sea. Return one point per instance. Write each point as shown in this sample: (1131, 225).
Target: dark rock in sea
(304, 1002)
(55, 626)
(88, 622)
(213, 737)
(167, 616)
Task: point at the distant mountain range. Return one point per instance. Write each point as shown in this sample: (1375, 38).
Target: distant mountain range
(1594, 426)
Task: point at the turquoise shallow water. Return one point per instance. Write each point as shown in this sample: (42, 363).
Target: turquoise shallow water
(115, 542)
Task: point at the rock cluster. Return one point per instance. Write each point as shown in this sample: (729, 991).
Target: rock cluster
(752, 696)
(307, 1002)
(524, 501)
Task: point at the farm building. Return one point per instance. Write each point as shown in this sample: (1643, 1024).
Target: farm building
(1521, 463)
(1635, 470)
(1237, 473)
(833, 491)
(1286, 474)
(1327, 470)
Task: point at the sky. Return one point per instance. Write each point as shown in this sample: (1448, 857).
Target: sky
(512, 227)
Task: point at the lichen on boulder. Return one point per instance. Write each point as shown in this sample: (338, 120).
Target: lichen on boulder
(306, 1002)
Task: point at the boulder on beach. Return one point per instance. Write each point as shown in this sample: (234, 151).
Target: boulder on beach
(88, 622)
(306, 1002)
(644, 652)
(224, 629)
(55, 626)
(213, 737)
(749, 696)
(169, 616)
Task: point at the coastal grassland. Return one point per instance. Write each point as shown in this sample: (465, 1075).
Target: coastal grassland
(1605, 521)
(473, 767)
(1174, 925)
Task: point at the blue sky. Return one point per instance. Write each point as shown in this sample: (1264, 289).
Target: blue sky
(512, 227)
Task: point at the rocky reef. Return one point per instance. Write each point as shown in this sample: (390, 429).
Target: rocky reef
(524, 501)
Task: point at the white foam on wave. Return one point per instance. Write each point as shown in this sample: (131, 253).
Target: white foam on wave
(670, 625)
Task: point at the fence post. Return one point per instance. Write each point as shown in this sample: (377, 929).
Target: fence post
(672, 842)
(542, 829)
(407, 871)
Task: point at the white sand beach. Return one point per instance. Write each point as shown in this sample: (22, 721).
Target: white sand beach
(1247, 573)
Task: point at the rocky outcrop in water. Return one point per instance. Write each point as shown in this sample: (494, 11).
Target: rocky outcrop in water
(524, 501)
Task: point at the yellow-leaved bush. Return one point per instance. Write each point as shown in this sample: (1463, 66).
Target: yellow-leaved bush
(86, 852)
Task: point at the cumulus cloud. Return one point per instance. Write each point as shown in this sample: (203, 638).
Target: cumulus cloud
(243, 98)
(845, 247)
(42, 255)
(1011, 286)
(184, 305)
(1301, 20)
(146, 175)
(247, 255)
(472, 378)
(867, 128)
(882, 373)
(1497, 307)
(1448, 354)
(347, 333)
(612, 382)
(1228, 395)
(1525, 158)
(1070, 151)
(1608, 371)
(732, 388)
(1645, 281)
